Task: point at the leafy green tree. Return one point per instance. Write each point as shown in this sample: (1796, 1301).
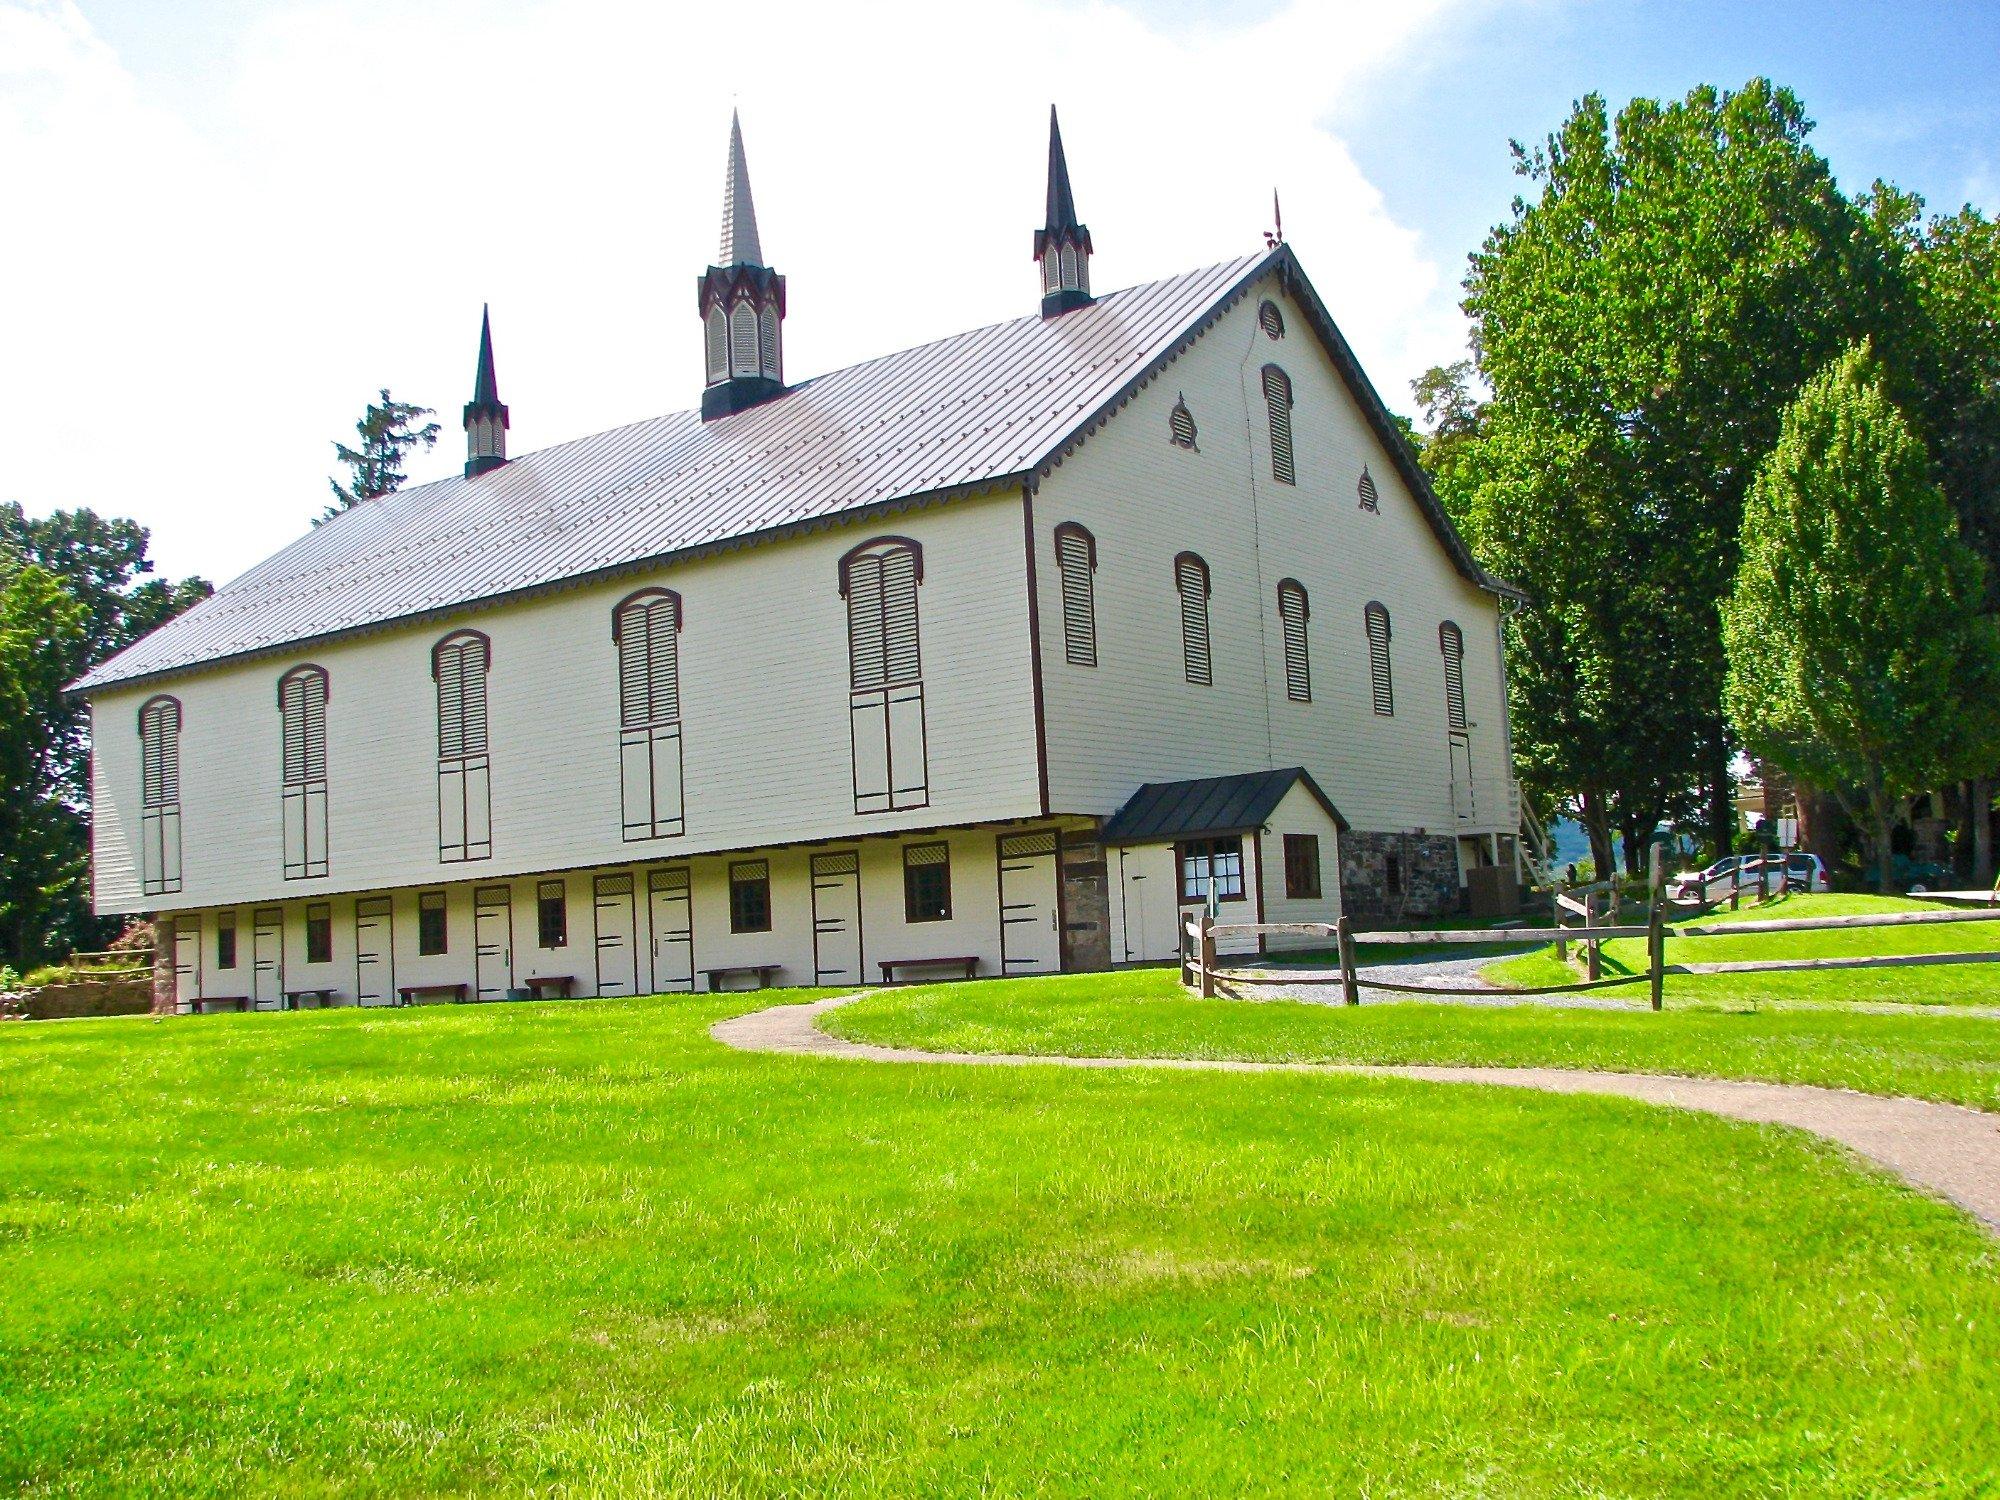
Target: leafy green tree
(1678, 274)
(1858, 655)
(389, 434)
(1454, 419)
(76, 592)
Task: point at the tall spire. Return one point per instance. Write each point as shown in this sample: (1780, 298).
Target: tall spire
(485, 414)
(1062, 246)
(742, 302)
(740, 246)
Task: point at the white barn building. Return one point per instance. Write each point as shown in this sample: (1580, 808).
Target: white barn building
(983, 657)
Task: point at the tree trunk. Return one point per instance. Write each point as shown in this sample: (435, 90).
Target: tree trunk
(1982, 831)
(1721, 790)
(1880, 808)
(1597, 823)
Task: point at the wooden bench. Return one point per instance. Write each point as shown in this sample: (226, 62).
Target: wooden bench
(762, 973)
(234, 1002)
(543, 986)
(296, 999)
(965, 964)
(454, 992)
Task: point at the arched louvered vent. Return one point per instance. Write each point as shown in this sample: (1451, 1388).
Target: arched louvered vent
(1379, 682)
(880, 580)
(1278, 407)
(768, 339)
(1370, 501)
(160, 795)
(459, 664)
(743, 339)
(1076, 561)
(1191, 580)
(1180, 425)
(1451, 642)
(1271, 320)
(1293, 612)
(718, 344)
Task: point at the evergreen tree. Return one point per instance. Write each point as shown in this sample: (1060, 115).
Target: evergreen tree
(1859, 659)
(388, 436)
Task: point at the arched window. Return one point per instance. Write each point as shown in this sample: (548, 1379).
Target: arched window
(767, 324)
(718, 344)
(1051, 270)
(1370, 501)
(1191, 580)
(646, 629)
(1278, 405)
(1377, 619)
(1069, 266)
(1076, 561)
(1452, 643)
(879, 579)
(1180, 425)
(743, 339)
(302, 697)
(1293, 612)
(1271, 320)
(160, 795)
(459, 665)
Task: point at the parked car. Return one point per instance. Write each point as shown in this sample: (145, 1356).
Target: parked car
(1803, 872)
(1807, 872)
(1696, 885)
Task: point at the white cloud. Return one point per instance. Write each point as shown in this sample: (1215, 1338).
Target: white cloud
(193, 307)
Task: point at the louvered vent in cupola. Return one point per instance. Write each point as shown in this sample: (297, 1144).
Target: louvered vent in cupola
(1370, 501)
(1271, 320)
(1180, 425)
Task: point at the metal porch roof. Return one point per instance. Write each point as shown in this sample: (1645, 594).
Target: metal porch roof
(1164, 810)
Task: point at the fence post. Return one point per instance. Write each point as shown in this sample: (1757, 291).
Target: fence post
(1736, 888)
(1207, 956)
(1187, 971)
(1656, 928)
(1562, 944)
(1763, 880)
(1591, 970)
(1344, 939)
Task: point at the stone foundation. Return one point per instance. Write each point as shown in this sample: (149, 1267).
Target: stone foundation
(1399, 875)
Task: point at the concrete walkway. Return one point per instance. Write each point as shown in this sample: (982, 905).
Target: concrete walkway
(1944, 1148)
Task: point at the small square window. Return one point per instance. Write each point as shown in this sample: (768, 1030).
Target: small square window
(430, 923)
(552, 913)
(319, 933)
(1219, 859)
(1302, 866)
(225, 940)
(927, 883)
(750, 896)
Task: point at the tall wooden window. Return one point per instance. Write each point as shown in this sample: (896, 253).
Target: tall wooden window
(160, 796)
(552, 913)
(319, 933)
(1278, 406)
(646, 628)
(1376, 619)
(1293, 612)
(750, 896)
(225, 940)
(1451, 642)
(460, 663)
(879, 580)
(1302, 867)
(1191, 580)
(432, 935)
(1076, 562)
(927, 882)
(302, 696)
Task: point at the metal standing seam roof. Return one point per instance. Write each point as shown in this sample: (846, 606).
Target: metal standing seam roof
(1164, 810)
(966, 412)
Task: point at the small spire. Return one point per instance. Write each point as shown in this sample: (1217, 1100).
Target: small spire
(1275, 236)
(1062, 202)
(485, 414)
(740, 246)
(1062, 245)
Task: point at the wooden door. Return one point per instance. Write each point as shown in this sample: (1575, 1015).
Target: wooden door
(1461, 779)
(1030, 909)
(267, 959)
(374, 951)
(670, 914)
(493, 941)
(187, 964)
(1147, 906)
(836, 898)
(617, 936)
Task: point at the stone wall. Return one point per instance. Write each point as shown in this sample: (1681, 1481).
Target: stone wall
(1399, 875)
(84, 997)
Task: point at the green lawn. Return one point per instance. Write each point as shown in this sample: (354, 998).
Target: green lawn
(583, 1247)
(1971, 984)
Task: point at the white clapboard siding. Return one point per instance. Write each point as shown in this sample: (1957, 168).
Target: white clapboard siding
(1134, 717)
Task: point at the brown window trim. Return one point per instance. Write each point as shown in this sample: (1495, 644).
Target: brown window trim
(1303, 868)
(552, 894)
(764, 880)
(1188, 846)
(427, 903)
(915, 548)
(319, 933)
(910, 912)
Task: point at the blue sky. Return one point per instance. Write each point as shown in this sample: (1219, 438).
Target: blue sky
(249, 215)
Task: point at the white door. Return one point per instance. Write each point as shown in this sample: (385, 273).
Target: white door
(672, 918)
(267, 959)
(1147, 906)
(493, 941)
(374, 952)
(617, 936)
(187, 963)
(1030, 930)
(836, 883)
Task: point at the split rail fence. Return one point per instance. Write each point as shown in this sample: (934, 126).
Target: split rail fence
(1581, 921)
